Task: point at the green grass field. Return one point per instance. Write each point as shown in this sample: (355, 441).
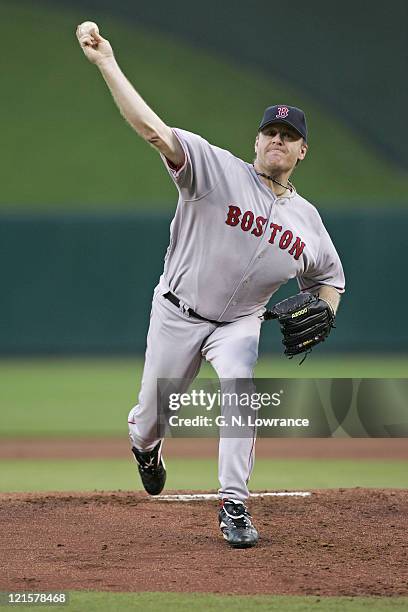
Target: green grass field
(92, 397)
(196, 474)
(61, 129)
(175, 602)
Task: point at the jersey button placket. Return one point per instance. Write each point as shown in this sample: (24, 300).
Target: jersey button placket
(264, 238)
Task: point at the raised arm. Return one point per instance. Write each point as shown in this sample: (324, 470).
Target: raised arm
(131, 105)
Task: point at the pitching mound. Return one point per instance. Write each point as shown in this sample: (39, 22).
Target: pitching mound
(334, 542)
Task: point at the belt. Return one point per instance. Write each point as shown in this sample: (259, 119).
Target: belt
(174, 300)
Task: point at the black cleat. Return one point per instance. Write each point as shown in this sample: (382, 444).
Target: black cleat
(151, 469)
(236, 524)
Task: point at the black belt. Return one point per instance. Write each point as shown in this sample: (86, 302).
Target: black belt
(174, 300)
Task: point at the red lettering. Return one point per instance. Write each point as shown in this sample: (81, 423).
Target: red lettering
(275, 228)
(297, 248)
(234, 213)
(260, 222)
(286, 239)
(247, 220)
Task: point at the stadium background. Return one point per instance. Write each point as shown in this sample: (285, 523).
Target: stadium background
(85, 208)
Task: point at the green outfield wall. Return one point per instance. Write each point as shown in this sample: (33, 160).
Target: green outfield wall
(83, 284)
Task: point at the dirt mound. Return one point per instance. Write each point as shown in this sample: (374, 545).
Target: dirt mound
(335, 542)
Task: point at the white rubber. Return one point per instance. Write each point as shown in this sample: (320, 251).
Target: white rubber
(212, 496)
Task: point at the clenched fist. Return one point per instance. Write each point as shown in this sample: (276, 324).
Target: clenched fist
(93, 45)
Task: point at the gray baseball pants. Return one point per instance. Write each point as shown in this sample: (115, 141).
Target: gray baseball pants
(176, 345)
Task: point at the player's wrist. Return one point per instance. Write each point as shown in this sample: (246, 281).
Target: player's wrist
(105, 63)
(329, 304)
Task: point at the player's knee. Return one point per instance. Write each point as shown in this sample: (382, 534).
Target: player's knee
(235, 370)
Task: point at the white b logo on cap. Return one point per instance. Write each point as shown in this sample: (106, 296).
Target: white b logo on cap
(283, 112)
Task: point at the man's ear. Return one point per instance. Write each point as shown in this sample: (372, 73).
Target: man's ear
(256, 143)
(303, 151)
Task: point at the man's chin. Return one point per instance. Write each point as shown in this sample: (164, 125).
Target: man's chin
(275, 169)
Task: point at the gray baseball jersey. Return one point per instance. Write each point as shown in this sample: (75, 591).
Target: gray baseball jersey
(233, 243)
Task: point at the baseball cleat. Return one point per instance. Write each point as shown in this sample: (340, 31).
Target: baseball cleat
(236, 524)
(151, 469)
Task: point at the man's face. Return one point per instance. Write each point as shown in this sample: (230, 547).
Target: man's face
(278, 147)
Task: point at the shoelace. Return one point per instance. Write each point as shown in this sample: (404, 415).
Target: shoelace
(147, 464)
(238, 514)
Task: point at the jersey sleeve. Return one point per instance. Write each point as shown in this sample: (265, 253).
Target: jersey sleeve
(326, 269)
(203, 166)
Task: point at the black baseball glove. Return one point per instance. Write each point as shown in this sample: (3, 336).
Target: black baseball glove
(305, 320)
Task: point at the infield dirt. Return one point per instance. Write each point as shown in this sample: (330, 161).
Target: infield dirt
(335, 542)
(189, 448)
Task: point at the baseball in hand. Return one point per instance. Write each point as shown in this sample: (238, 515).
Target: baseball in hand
(87, 28)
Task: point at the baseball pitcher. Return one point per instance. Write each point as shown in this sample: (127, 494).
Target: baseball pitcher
(239, 232)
